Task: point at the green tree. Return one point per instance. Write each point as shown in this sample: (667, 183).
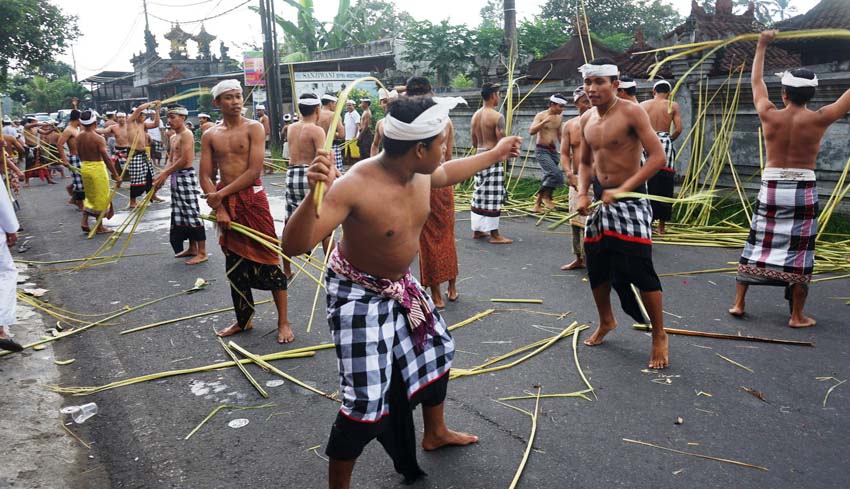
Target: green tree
(33, 33)
(42, 95)
(372, 20)
(492, 14)
(540, 37)
(443, 48)
(609, 17)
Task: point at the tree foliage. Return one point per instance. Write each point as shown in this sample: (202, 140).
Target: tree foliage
(442, 48)
(39, 94)
(610, 17)
(540, 37)
(32, 33)
(492, 14)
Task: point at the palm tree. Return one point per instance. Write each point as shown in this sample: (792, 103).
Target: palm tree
(308, 34)
(784, 9)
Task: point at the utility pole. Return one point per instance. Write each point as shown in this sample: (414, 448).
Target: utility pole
(510, 29)
(272, 73)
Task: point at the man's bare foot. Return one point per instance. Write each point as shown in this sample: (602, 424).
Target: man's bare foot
(549, 204)
(659, 359)
(806, 322)
(449, 438)
(104, 230)
(438, 302)
(479, 235)
(452, 295)
(185, 253)
(577, 263)
(537, 209)
(499, 240)
(233, 329)
(737, 311)
(285, 334)
(599, 335)
(197, 259)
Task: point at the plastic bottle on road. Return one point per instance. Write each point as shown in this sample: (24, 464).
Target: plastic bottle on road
(85, 412)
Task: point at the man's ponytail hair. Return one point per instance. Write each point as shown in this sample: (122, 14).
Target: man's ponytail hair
(800, 95)
(406, 109)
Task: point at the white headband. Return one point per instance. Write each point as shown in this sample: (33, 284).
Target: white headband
(659, 82)
(225, 86)
(261, 107)
(329, 98)
(557, 100)
(120, 114)
(789, 80)
(366, 100)
(204, 115)
(384, 94)
(578, 94)
(180, 111)
(308, 101)
(89, 121)
(429, 123)
(628, 84)
(589, 70)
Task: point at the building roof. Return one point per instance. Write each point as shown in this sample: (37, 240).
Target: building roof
(638, 65)
(565, 61)
(828, 14)
(702, 26)
(108, 76)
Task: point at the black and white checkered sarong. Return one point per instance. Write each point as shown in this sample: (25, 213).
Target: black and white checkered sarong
(489, 193)
(185, 213)
(370, 331)
(296, 187)
(76, 176)
(337, 150)
(624, 226)
(141, 173)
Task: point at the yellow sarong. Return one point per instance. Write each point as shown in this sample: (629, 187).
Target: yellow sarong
(96, 183)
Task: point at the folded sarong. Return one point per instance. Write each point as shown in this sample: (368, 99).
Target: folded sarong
(297, 187)
(780, 249)
(96, 183)
(76, 177)
(548, 158)
(489, 194)
(437, 250)
(141, 174)
(661, 183)
(337, 152)
(249, 207)
(623, 226)
(185, 213)
(374, 322)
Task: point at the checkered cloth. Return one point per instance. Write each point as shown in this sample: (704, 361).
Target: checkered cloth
(549, 160)
(139, 170)
(781, 244)
(669, 150)
(296, 187)
(337, 150)
(489, 192)
(371, 327)
(624, 226)
(156, 148)
(185, 213)
(76, 176)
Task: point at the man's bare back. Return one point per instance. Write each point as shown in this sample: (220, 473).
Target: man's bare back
(488, 127)
(69, 137)
(90, 146)
(305, 139)
(663, 114)
(325, 118)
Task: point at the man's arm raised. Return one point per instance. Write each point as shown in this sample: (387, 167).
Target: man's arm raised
(456, 171)
(304, 229)
(837, 109)
(760, 95)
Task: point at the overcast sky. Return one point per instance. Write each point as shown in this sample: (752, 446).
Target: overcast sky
(112, 30)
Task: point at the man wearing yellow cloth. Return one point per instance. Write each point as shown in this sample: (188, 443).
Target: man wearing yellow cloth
(95, 160)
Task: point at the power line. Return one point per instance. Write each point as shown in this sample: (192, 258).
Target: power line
(180, 6)
(204, 19)
(121, 47)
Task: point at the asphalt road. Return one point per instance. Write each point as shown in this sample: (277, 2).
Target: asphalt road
(138, 435)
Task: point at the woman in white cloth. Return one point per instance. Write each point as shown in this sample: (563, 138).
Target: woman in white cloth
(8, 272)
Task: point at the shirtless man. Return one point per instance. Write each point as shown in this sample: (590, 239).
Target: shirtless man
(264, 120)
(326, 115)
(117, 130)
(134, 134)
(186, 221)
(663, 113)
(72, 159)
(384, 98)
(781, 245)
(91, 149)
(205, 122)
(370, 267)
(627, 89)
(489, 193)
(49, 141)
(547, 127)
(618, 236)
(34, 153)
(570, 156)
(364, 137)
(235, 148)
(305, 137)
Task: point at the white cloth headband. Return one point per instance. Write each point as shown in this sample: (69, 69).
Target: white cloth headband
(789, 80)
(204, 115)
(180, 111)
(589, 70)
(578, 94)
(309, 101)
(428, 124)
(659, 82)
(225, 86)
(121, 114)
(628, 84)
(329, 98)
(557, 100)
(90, 120)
